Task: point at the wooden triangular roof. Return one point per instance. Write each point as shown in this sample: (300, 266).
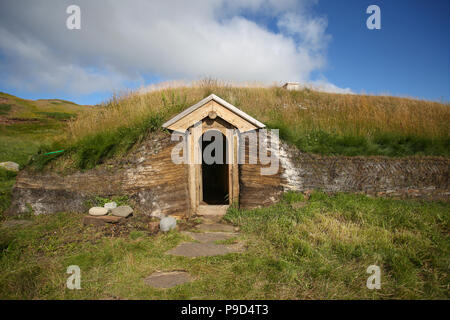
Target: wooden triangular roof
(225, 110)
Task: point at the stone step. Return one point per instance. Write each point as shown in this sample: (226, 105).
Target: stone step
(216, 227)
(210, 237)
(211, 219)
(212, 210)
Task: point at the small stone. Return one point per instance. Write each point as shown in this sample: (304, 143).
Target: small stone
(9, 165)
(167, 223)
(122, 211)
(110, 205)
(98, 211)
(153, 226)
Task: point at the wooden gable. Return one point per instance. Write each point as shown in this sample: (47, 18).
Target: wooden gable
(213, 106)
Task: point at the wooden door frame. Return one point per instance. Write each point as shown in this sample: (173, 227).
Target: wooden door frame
(194, 166)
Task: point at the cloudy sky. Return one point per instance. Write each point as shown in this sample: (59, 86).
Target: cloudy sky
(128, 44)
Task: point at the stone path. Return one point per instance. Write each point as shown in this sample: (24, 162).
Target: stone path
(204, 246)
(215, 227)
(164, 280)
(206, 237)
(211, 231)
(195, 249)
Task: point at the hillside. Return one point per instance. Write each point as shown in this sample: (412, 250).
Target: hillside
(24, 126)
(315, 122)
(15, 110)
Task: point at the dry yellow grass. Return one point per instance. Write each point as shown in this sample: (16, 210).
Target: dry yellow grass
(341, 114)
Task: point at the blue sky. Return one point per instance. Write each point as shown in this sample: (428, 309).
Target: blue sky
(325, 43)
(409, 56)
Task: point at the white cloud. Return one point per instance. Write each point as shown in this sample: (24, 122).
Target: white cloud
(124, 41)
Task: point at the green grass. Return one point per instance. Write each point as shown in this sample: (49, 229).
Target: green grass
(4, 108)
(7, 179)
(320, 251)
(58, 115)
(18, 143)
(95, 149)
(326, 246)
(376, 144)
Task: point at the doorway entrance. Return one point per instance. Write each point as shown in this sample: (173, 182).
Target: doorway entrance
(214, 170)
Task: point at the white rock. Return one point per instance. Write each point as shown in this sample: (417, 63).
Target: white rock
(122, 211)
(110, 205)
(9, 165)
(167, 223)
(98, 211)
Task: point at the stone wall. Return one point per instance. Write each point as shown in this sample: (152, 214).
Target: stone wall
(157, 186)
(423, 177)
(152, 181)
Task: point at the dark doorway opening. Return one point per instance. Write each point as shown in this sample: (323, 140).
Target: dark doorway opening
(215, 175)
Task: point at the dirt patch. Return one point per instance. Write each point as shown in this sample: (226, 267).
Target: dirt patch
(11, 121)
(138, 223)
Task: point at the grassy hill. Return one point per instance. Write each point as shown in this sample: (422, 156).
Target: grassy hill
(316, 122)
(25, 125)
(14, 109)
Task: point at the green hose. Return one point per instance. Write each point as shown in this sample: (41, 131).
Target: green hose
(53, 152)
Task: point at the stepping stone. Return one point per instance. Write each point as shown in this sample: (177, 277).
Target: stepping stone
(212, 210)
(215, 227)
(205, 237)
(100, 220)
(212, 218)
(193, 250)
(165, 280)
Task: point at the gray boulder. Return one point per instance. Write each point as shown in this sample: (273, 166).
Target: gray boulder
(167, 223)
(9, 165)
(98, 211)
(122, 211)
